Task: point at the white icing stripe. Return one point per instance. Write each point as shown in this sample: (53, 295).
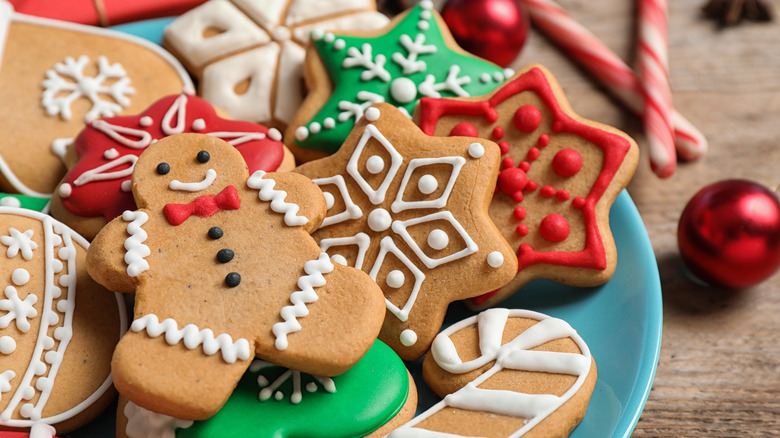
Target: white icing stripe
(16, 183)
(305, 295)
(178, 109)
(192, 337)
(501, 402)
(135, 250)
(491, 329)
(278, 204)
(237, 138)
(361, 240)
(546, 362)
(122, 134)
(206, 182)
(99, 174)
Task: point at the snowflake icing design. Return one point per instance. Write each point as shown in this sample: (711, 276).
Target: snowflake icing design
(408, 61)
(66, 82)
(411, 219)
(19, 242)
(17, 309)
(272, 389)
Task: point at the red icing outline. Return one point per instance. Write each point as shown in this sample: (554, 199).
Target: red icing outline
(614, 147)
(107, 199)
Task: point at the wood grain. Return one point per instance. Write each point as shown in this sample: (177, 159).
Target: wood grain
(719, 370)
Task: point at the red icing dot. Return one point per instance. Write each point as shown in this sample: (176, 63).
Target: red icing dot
(578, 202)
(554, 228)
(518, 197)
(525, 165)
(533, 154)
(507, 162)
(498, 133)
(527, 118)
(519, 213)
(531, 186)
(521, 230)
(464, 129)
(491, 116)
(543, 141)
(504, 146)
(547, 191)
(562, 195)
(567, 162)
(512, 180)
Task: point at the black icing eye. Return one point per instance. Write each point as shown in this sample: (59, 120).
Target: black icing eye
(163, 168)
(215, 232)
(203, 157)
(233, 279)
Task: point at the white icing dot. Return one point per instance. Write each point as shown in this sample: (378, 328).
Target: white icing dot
(395, 279)
(7, 345)
(375, 164)
(476, 150)
(11, 201)
(28, 392)
(62, 305)
(110, 154)
(425, 14)
(403, 90)
(329, 37)
(338, 258)
(51, 356)
(329, 200)
(66, 252)
(28, 409)
(484, 78)
(315, 127)
(379, 220)
(423, 25)
(61, 333)
(498, 76)
(508, 73)
(47, 343)
(372, 114)
(39, 368)
(20, 276)
(281, 33)
(198, 125)
(438, 239)
(495, 259)
(329, 123)
(317, 33)
(42, 383)
(146, 121)
(426, 4)
(65, 190)
(311, 386)
(427, 184)
(262, 381)
(126, 186)
(274, 134)
(301, 133)
(408, 338)
(339, 44)
(278, 395)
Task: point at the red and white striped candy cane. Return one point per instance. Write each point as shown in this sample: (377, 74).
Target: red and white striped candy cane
(608, 68)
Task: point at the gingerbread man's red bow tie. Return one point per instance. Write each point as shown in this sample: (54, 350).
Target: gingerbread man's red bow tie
(203, 206)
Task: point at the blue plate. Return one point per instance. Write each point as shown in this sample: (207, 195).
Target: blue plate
(620, 321)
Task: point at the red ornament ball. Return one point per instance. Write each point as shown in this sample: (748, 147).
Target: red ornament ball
(492, 29)
(729, 234)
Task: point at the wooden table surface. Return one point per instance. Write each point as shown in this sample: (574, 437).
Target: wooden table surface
(719, 368)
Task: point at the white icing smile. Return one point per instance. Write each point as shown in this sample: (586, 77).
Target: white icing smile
(211, 175)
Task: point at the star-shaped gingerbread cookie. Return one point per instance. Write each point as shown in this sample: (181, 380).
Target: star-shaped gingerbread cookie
(560, 174)
(411, 211)
(414, 56)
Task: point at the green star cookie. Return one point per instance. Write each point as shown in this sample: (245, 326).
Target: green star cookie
(414, 56)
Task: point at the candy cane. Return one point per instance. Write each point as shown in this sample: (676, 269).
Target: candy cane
(608, 68)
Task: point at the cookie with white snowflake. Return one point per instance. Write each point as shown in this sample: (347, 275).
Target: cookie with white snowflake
(224, 269)
(248, 54)
(96, 188)
(506, 373)
(560, 174)
(411, 211)
(75, 74)
(414, 56)
(372, 398)
(58, 328)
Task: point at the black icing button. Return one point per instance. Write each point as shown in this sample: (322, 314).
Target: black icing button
(225, 255)
(233, 279)
(203, 157)
(163, 168)
(215, 232)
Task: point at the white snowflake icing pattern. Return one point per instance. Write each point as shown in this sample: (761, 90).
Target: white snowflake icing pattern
(66, 83)
(17, 309)
(19, 242)
(271, 389)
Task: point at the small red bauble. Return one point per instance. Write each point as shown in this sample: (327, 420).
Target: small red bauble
(729, 234)
(492, 29)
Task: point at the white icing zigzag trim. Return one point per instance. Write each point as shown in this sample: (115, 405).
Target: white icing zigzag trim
(278, 204)
(290, 314)
(193, 337)
(135, 250)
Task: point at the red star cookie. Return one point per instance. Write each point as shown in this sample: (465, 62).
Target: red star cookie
(560, 174)
(412, 212)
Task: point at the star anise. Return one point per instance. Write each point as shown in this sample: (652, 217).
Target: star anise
(731, 12)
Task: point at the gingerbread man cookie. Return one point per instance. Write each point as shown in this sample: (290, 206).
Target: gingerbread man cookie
(224, 269)
(96, 188)
(560, 175)
(506, 373)
(411, 210)
(58, 327)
